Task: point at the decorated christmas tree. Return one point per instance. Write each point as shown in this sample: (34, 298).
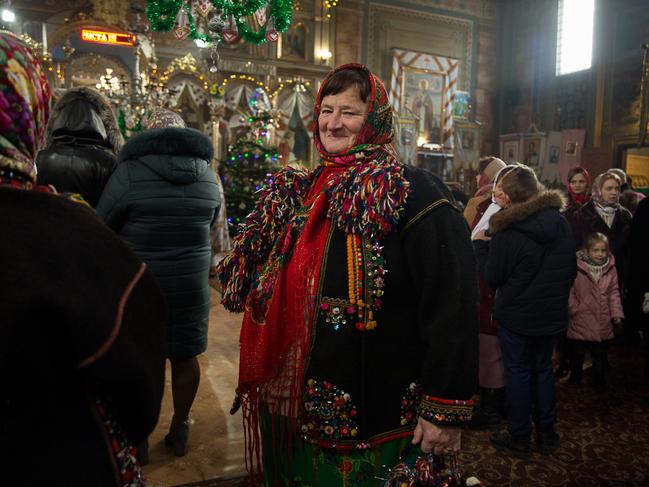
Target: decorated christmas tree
(250, 164)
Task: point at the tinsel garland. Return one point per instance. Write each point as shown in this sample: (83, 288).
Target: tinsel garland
(281, 11)
(162, 15)
(251, 247)
(243, 8)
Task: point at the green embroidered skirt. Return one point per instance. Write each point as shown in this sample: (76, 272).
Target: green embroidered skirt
(312, 466)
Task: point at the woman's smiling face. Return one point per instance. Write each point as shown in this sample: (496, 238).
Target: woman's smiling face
(341, 118)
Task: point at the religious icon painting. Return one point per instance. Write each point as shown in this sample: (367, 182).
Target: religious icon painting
(423, 96)
(293, 43)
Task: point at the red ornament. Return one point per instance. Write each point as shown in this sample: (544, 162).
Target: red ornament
(229, 36)
(272, 35)
(360, 326)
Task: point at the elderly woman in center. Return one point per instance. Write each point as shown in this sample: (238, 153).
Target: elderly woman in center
(359, 341)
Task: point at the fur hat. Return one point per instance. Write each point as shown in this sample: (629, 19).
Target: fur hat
(99, 104)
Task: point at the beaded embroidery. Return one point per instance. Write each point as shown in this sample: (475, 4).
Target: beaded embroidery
(410, 404)
(449, 411)
(329, 412)
(337, 312)
(130, 472)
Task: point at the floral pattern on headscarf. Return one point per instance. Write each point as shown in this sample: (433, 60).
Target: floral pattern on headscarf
(375, 137)
(162, 118)
(24, 109)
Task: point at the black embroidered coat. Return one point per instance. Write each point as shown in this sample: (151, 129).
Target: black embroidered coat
(82, 319)
(363, 388)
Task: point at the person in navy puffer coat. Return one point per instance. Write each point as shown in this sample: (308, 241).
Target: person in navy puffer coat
(161, 200)
(530, 262)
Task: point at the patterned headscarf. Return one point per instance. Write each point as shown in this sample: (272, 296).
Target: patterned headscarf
(162, 118)
(24, 110)
(375, 137)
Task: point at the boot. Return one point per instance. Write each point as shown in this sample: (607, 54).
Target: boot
(516, 446)
(547, 441)
(142, 452)
(490, 412)
(177, 436)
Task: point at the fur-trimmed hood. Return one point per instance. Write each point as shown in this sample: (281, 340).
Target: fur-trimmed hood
(179, 155)
(531, 217)
(85, 113)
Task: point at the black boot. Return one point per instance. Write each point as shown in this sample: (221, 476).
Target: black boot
(177, 436)
(547, 441)
(516, 446)
(490, 412)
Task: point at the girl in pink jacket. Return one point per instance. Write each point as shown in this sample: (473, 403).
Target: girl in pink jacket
(594, 306)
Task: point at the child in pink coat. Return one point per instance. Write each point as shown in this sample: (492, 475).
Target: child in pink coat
(594, 306)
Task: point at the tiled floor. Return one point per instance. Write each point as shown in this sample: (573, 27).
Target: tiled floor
(215, 437)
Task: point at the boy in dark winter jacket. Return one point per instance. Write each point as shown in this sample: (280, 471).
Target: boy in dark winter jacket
(531, 263)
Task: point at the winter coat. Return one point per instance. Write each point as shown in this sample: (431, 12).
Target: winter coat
(530, 261)
(81, 142)
(161, 200)
(594, 304)
(82, 320)
(638, 251)
(586, 220)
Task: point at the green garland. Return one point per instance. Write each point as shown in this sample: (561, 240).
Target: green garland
(242, 9)
(280, 10)
(162, 15)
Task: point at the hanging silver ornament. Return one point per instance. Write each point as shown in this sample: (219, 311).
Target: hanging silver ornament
(217, 23)
(214, 56)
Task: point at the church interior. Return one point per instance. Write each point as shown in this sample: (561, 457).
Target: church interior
(552, 84)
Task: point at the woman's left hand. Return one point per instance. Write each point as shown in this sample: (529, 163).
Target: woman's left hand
(436, 439)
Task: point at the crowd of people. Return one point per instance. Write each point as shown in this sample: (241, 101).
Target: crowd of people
(374, 311)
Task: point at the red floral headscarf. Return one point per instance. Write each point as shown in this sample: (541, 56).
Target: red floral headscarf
(24, 110)
(375, 137)
(583, 197)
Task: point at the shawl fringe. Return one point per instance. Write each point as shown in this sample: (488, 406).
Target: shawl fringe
(369, 199)
(252, 245)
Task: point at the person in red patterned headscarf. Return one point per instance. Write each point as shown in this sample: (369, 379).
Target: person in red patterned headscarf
(82, 326)
(359, 292)
(578, 190)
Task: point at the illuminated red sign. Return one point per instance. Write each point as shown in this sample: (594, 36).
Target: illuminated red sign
(115, 38)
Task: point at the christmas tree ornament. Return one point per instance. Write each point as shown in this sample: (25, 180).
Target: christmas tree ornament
(217, 23)
(261, 15)
(204, 7)
(182, 29)
(231, 33)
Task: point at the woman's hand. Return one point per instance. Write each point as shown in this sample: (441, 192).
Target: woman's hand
(436, 439)
(481, 235)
